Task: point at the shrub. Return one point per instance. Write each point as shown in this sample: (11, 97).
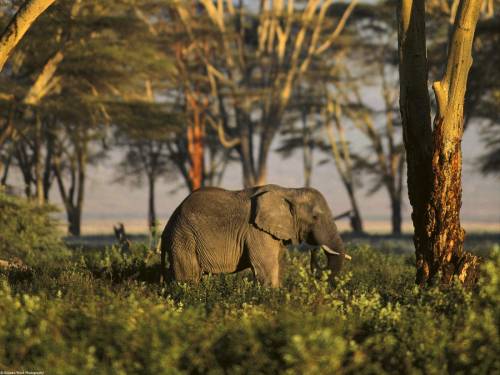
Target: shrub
(28, 232)
(96, 315)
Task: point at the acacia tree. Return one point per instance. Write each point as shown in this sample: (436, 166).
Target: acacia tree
(434, 153)
(71, 158)
(25, 121)
(144, 129)
(86, 63)
(252, 78)
(387, 159)
(322, 128)
(333, 126)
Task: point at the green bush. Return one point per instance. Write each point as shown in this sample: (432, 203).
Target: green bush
(105, 313)
(28, 232)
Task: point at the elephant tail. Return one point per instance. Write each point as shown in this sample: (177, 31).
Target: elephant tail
(163, 271)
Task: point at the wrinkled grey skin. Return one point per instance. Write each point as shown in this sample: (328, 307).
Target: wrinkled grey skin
(221, 231)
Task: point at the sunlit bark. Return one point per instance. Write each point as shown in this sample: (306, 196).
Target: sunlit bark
(25, 16)
(434, 156)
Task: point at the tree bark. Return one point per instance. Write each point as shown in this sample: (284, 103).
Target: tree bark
(307, 148)
(447, 254)
(396, 219)
(25, 16)
(195, 135)
(434, 157)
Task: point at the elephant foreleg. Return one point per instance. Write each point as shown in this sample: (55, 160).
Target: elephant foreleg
(266, 255)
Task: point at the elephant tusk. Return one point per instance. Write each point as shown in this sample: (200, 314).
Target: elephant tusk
(333, 252)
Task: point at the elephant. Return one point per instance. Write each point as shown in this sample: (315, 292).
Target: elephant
(221, 231)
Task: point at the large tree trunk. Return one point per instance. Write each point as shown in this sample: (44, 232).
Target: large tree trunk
(447, 253)
(25, 16)
(434, 158)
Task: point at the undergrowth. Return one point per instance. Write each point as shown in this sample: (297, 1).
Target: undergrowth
(104, 312)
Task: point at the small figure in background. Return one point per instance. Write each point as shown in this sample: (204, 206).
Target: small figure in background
(121, 237)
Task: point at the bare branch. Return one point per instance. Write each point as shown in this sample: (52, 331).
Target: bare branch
(338, 29)
(222, 135)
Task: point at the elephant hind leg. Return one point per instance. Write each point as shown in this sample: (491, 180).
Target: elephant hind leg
(184, 264)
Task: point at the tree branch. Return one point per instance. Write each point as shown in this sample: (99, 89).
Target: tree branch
(25, 16)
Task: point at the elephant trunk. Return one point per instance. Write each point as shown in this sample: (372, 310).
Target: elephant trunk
(335, 253)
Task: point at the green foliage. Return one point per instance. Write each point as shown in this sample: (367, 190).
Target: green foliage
(28, 232)
(104, 312)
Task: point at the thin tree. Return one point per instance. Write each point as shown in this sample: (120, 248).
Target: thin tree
(341, 152)
(386, 160)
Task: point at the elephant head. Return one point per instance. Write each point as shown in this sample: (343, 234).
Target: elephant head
(300, 216)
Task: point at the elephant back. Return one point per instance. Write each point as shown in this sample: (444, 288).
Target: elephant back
(214, 206)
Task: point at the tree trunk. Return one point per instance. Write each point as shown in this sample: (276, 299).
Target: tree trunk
(245, 147)
(396, 219)
(82, 153)
(356, 221)
(270, 126)
(151, 206)
(6, 132)
(5, 171)
(307, 150)
(447, 254)
(74, 220)
(195, 134)
(38, 161)
(434, 158)
(47, 173)
(25, 16)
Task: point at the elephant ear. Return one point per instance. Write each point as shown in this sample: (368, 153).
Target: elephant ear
(273, 214)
